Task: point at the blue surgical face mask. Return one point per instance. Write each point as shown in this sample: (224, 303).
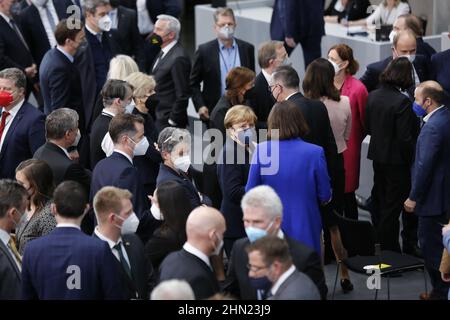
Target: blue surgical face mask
(261, 283)
(254, 234)
(418, 110)
(245, 136)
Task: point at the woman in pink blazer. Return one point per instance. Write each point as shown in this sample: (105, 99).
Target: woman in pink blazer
(341, 56)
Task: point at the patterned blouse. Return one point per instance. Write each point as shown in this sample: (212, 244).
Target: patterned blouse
(40, 224)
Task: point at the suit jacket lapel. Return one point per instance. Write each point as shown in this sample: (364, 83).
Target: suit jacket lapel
(11, 129)
(164, 59)
(242, 54)
(215, 60)
(5, 251)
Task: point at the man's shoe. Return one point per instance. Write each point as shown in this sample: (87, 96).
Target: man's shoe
(362, 202)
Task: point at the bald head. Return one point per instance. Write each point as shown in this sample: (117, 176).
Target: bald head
(430, 95)
(404, 44)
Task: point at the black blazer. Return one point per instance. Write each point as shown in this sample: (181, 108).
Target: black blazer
(304, 258)
(217, 116)
(163, 243)
(98, 132)
(206, 69)
(392, 125)
(263, 101)
(10, 286)
(232, 178)
(141, 269)
(320, 132)
(371, 78)
(60, 84)
(355, 10)
(63, 168)
(184, 265)
(126, 38)
(172, 85)
(13, 53)
(424, 49)
(34, 30)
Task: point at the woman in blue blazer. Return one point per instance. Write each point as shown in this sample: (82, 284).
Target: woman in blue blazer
(297, 170)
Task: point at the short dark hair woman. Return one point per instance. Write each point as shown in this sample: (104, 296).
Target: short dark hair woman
(37, 177)
(170, 204)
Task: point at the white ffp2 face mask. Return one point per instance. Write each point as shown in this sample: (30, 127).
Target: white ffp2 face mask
(129, 224)
(182, 163)
(141, 147)
(156, 212)
(104, 23)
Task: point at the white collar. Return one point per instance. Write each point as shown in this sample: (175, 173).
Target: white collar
(428, 116)
(124, 154)
(63, 149)
(282, 279)
(222, 46)
(267, 76)
(68, 225)
(68, 55)
(199, 254)
(8, 19)
(108, 113)
(92, 31)
(16, 108)
(111, 243)
(4, 236)
(287, 98)
(168, 47)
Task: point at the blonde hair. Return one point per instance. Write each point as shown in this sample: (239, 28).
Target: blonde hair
(109, 199)
(142, 83)
(121, 66)
(239, 113)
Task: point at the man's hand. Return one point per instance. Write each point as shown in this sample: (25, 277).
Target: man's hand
(445, 277)
(203, 113)
(290, 42)
(409, 205)
(446, 229)
(31, 71)
(74, 156)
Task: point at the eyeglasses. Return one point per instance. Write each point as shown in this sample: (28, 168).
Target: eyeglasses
(255, 268)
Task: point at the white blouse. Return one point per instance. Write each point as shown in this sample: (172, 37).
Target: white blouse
(383, 15)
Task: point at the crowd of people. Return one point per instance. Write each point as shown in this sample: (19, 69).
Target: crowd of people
(100, 197)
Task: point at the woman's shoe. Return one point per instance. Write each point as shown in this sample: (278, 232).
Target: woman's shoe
(346, 285)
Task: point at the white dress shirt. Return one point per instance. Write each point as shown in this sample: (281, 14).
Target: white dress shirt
(199, 254)
(68, 225)
(9, 120)
(382, 15)
(428, 116)
(112, 244)
(68, 55)
(282, 279)
(165, 50)
(65, 151)
(287, 98)
(267, 76)
(145, 23)
(4, 237)
(44, 18)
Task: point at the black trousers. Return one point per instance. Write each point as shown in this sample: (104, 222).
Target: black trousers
(430, 238)
(350, 206)
(392, 184)
(311, 47)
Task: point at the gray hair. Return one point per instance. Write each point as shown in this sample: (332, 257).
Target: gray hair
(173, 290)
(268, 51)
(266, 198)
(228, 12)
(287, 76)
(173, 24)
(170, 137)
(59, 122)
(91, 5)
(15, 75)
(12, 195)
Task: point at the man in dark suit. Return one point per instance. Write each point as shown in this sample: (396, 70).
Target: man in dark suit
(59, 77)
(271, 54)
(115, 216)
(39, 22)
(440, 67)
(205, 227)
(67, 264)
(286, 86)
(116, 95)
(157, 7)
(404, 45)
(285, 281)
(171, 70)
(214, 59)
(14, 51)
(430, 189)
(126, 131)
(21, 125)
(61, 129)
(13, 203)
(299, 21)
(263, 211)
(125, 37)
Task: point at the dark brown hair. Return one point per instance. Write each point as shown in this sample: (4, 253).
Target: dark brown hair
(346, 54)
(272, 249)
(399, 73)
(123, 124)
(235, 82)
(40, 176)
(63, 32)
(288, 119)
(413, 23)
(319, 80)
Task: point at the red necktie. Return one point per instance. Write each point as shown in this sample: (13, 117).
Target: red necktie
(5, 115)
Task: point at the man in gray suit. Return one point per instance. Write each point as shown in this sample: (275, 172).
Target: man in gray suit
(13, 203)
(270, 262)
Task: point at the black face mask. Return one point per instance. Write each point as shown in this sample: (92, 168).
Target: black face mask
(152, 102)
(155, 40)
(249, 94)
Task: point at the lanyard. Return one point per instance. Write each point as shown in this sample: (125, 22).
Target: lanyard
(224, 61)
